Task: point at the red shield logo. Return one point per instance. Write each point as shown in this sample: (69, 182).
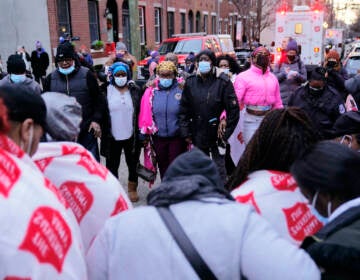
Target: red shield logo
(300, 221)
(120, 206)
(248, 199)
(43, 163)
(283, 181)
(92, 166)
(78, 197)
(9, 173)
(48, 237)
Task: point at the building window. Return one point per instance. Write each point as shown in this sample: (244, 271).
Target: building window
(231, 26)
(226, 25)
(205, 24)
(63, 13)
(157, 25)
(170, 23)
(220, 25)
(191, 22)
(142, 25)
(93, 20)
(198, 22)
(213, 24)
(182, 23)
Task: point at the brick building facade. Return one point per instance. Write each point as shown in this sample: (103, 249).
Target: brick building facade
(109, 20)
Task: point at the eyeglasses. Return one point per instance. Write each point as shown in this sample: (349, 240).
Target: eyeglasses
(65, 60)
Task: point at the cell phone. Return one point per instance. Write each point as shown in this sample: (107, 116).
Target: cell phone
(92, 131)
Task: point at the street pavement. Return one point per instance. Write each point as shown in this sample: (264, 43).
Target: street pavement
(143, 187)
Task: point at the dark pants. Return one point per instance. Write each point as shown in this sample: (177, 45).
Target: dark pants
(131, 157)
(89, 142)
(218, 159)
(167, 149)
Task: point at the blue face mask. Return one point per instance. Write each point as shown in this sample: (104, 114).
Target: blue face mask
(165, 83)
(315, 212)
(120, 81)
(16, 79)
(204, 67)
(66, 71)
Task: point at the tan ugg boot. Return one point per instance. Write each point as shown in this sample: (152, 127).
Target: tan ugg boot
(133, 196)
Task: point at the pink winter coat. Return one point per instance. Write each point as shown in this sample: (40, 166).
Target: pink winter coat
(252, 87)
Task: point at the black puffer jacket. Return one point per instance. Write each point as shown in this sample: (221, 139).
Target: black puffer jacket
(322, 108)
(201, 105)
(82, 85)
(336, 247)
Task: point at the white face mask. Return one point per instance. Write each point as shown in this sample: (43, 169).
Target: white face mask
(120, 81)
(348, 138)
(31, 139)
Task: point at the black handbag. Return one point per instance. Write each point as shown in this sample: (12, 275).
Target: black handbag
(145, 173)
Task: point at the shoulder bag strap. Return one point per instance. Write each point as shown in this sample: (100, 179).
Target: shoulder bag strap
(185, 244)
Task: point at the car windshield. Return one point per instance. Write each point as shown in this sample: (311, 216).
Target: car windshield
(167, 47)
(352, 65)
(187, 46)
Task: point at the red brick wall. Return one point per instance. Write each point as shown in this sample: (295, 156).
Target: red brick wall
(80, 17)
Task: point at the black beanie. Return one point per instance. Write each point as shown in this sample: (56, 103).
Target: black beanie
(65, 50)
(15, 64)
(318, 74)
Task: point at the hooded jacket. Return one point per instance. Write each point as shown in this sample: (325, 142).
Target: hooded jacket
(289, 84)
(32, 84)
(227, 235)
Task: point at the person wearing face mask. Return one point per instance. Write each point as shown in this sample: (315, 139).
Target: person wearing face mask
(290, 71)
(257, 90)
(159, 116)
(74, 80)
(336, 74)
(322, 103)
(28, 199)
(123, 104)
(17, 74)
(346, 130)
(265, 181)
(39, 62)
(205, 97)
(328, 175)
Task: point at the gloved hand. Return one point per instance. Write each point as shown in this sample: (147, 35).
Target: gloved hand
(291, 74)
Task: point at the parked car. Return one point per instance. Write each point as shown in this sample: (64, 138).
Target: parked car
(183, 44)
(352, 64)
(243, 57)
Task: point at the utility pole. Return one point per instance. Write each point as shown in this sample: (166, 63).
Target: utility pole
(134, 28)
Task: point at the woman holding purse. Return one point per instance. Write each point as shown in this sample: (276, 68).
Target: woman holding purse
(159, 118)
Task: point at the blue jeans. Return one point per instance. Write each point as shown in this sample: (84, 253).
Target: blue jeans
(89, 142)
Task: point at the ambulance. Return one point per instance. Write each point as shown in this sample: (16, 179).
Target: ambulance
(305, 25)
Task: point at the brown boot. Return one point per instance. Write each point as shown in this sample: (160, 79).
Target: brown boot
(133, 196)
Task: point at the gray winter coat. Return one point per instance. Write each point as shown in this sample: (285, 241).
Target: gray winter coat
(289, 85)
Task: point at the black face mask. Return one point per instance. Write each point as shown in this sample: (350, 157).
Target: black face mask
(39, 49)
(331, 64)
(291, 57)
(262, 61)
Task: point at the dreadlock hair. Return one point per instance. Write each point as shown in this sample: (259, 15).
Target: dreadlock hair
(233, 65)
(281, 137)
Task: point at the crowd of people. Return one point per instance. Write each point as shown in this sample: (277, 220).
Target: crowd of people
(259, 168)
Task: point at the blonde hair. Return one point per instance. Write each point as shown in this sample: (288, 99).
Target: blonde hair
(166, 65)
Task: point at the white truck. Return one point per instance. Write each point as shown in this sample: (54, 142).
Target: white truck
(306, 27)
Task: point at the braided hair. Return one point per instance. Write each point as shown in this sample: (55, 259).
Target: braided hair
(281, 137)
